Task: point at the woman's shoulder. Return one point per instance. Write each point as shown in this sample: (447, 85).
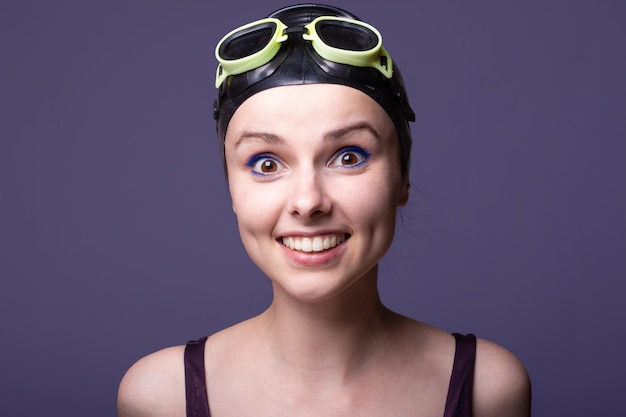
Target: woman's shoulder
(154, 385)
(501, 383)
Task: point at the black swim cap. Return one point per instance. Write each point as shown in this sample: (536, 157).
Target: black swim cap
(297, 63)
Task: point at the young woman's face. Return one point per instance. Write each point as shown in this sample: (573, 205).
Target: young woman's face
(315, 180)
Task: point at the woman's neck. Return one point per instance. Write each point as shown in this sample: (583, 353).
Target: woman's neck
(334, 338)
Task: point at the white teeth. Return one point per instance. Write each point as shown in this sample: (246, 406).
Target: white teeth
(313, 244)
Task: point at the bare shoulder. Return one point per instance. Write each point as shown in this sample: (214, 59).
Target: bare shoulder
(501, 383)
(154, 386)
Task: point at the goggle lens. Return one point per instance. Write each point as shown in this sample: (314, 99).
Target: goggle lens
(345, 35)
(247, 41)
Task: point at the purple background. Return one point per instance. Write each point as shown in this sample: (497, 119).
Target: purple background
(117, 238)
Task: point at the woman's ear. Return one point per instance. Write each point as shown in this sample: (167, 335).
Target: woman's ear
(403, 196)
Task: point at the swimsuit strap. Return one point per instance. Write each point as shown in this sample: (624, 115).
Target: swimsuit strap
(459, 401)
(195, 379)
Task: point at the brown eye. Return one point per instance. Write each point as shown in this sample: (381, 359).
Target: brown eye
(268, 166)
(349, 159)
(264, 165)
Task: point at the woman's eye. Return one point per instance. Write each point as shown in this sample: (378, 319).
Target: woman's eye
(263, 165)
(350, 157)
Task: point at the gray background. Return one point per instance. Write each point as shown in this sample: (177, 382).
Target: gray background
(117, 238)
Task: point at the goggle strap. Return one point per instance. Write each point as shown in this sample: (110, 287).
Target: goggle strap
(384, 63)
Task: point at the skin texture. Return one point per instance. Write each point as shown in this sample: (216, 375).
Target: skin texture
(307, 161)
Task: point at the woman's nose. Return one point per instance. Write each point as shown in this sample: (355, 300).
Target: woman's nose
(308, 198)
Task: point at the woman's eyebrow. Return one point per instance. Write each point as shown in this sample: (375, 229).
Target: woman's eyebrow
(268, 138)
(274, 139)
(341, 132)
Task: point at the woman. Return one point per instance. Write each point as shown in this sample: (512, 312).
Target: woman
(313, 119)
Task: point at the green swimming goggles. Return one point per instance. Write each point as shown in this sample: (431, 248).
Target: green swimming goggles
(336, 39)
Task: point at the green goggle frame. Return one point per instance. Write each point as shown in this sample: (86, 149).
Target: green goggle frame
(336, 39)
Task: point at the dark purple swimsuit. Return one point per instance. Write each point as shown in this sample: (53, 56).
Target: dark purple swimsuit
(458, 403)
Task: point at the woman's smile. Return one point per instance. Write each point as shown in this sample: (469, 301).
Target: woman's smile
(314, 243)
(321, 250)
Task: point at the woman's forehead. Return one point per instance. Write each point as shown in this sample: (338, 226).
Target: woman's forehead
(326, 106)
